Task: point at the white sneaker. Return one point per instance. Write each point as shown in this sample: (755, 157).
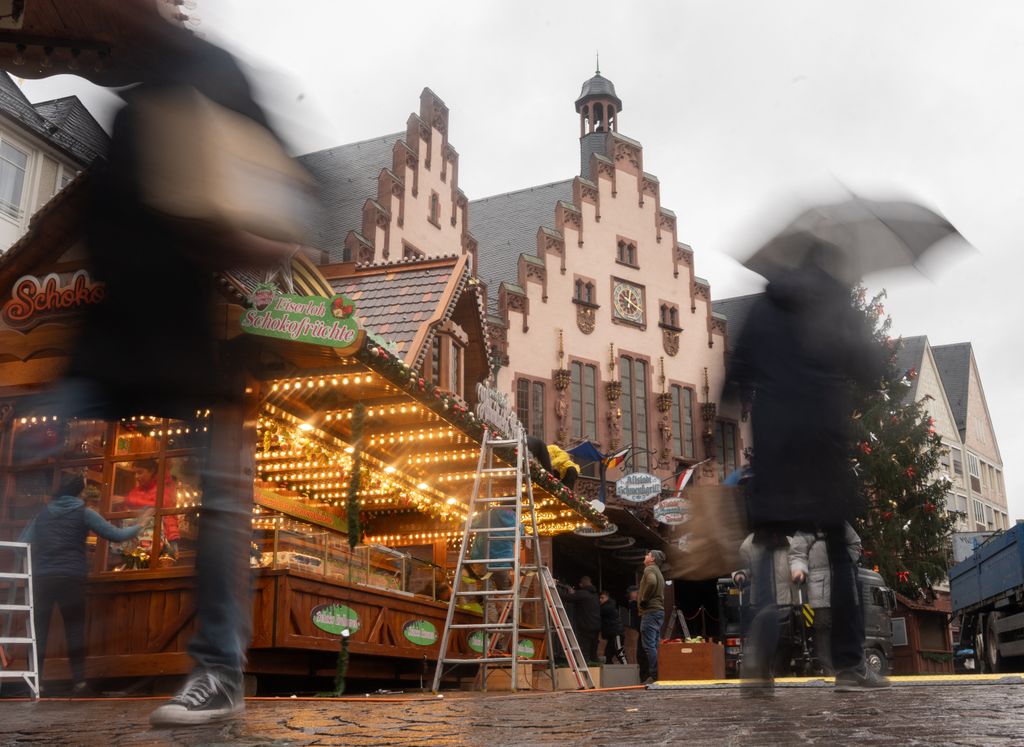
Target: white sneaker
(206, 696)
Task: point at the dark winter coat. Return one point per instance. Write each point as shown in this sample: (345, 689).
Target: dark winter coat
(611, 622)
(802, 345)
(149, 346)
(57, 535)
(588, 609)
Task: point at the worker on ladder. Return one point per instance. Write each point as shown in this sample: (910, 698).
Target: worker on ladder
(497, 575)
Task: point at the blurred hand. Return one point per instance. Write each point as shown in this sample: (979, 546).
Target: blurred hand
(799, 577)
(740, 579)
(146, 515)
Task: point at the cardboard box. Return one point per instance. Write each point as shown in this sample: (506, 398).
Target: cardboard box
(500, 678)
(691, 661)
(619, 675)
(565, 679)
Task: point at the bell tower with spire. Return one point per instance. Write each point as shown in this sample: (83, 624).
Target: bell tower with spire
(599, 108)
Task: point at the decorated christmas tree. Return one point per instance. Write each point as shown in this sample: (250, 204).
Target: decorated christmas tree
(905, 527)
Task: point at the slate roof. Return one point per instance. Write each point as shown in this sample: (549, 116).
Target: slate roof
(911, 355)
(71, 116)
(735, 310)
(598, 86)
(505, 226)
(72, 129)
(347, 175)
(394, 302)
(954, 362)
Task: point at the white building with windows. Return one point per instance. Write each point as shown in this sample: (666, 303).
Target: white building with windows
(42, 148)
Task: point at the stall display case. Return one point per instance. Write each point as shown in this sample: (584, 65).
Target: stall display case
(287, 544)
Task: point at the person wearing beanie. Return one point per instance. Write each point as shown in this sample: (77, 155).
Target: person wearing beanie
(57, 536)
(651, 602)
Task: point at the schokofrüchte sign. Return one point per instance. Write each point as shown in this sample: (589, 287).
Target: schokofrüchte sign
(313, 320)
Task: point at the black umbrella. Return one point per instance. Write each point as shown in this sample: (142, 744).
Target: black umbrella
(853, 238)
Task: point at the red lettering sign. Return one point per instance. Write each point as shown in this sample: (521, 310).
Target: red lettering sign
(33, 299)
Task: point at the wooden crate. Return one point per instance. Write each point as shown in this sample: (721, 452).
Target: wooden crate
(500, 678)
(691, 661)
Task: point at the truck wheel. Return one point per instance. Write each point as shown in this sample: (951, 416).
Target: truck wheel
(980, 659)
(876, 661)
(993, 660)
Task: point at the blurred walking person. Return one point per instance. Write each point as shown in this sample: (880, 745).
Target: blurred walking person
(766, 576)
(587, 619)
(195, 182)
(651, 602)
(802, 345)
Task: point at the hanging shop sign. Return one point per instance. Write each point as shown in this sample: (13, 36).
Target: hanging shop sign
(420, 632)
(588, 531)
(615, 543)
(34, 299)
(671, 511)
(632, 555)
(526, 648)
(638, 487)
(299, 510)
(311, 319)
(494, 409)
(335, 618)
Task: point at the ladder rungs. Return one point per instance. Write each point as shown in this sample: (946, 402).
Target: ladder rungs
(13, 575)
(21, 545)
(15, 608)
(491, 660)
(503, 442)
(490, 530)
(17, 640)
(12, 673)
(469, 561)
(482, 626)
(497, 498)
(507, 471)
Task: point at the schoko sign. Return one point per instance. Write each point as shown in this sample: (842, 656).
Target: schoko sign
(34, 299)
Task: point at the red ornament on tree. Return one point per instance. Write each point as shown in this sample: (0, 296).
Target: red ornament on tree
(909, 472)
(929, 507)
(865, 447)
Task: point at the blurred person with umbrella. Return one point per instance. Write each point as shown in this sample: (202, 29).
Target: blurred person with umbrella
(801, 347)
(195, 182)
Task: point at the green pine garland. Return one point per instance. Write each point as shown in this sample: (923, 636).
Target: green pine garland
(352, 501)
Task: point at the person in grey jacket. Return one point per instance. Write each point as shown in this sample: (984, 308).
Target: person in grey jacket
(808, 561)
(766, 573)
(57, 535)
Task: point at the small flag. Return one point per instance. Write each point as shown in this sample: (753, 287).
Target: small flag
(616, 459)
(685, 475)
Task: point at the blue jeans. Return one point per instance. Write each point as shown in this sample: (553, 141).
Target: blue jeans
(650, 634)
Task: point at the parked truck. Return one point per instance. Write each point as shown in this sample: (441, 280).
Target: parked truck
(987, 593)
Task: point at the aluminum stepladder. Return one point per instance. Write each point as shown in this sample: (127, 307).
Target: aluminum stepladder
(11, 608)
(492, 492)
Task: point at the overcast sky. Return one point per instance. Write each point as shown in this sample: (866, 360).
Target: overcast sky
(740, 106)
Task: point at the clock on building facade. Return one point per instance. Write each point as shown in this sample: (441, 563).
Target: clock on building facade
(628, 302)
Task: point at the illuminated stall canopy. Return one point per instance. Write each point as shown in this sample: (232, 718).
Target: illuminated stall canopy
(418, 436)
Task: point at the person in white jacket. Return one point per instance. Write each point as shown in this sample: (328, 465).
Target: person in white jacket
(771, 594)
(808, 562)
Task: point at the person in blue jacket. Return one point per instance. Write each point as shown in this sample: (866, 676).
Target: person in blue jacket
(57, 535)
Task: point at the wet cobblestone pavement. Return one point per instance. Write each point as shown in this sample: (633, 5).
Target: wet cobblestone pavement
(949, 715)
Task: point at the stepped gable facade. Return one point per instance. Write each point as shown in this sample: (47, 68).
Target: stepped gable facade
(412, 206)
(601, 327)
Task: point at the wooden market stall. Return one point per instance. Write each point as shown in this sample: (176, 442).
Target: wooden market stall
(374, 439)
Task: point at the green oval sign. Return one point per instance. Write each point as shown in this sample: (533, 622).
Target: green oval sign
(420, 632)
(526, 648)
(335, 618)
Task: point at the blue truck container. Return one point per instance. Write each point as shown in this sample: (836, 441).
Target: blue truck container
(987, 594)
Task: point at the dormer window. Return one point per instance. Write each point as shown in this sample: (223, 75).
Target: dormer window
(446, 361)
